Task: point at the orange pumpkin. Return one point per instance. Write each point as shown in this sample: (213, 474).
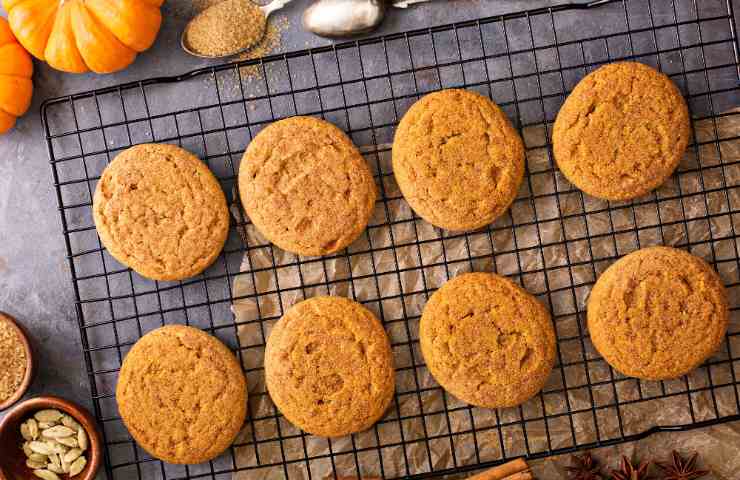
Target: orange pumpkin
(82, 35)
(16, 87)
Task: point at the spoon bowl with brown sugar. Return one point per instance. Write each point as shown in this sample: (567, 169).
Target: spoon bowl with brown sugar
(228, 28)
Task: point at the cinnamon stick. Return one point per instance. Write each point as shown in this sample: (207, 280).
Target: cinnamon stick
(526, 475)
(506, 471)
(514, 470)
(356, 478)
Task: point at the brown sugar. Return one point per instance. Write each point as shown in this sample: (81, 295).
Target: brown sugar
(267, 45)
(12, 360)
(226, 28)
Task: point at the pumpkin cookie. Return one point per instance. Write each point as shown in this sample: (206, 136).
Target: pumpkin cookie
(487, 341)
(182, 395)
(657, 313)
(622, 131)
(306, 187)
(329, 367)
(159, 210)
(457, 160)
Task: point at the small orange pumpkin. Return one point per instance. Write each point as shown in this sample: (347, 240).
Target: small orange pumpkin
(16, 69)
(82, 35)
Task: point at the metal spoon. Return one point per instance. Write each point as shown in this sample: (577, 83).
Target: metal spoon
(267, 10)
(346, 18)
(343, 18)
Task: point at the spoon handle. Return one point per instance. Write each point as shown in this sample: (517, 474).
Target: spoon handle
(407, 3)
(273, 6)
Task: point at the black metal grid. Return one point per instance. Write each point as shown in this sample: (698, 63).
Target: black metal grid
(526, 62)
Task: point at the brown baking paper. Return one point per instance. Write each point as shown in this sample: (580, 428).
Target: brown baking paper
(555, 255)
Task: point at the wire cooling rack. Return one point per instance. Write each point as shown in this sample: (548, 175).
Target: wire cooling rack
(555, 240)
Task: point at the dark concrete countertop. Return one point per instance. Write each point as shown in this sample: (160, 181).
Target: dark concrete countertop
(35, 284)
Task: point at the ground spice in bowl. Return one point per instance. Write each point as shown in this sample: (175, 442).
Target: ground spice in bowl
(226, 28)
(14, 361)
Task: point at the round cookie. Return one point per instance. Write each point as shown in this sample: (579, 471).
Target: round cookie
(621, 132)
(487, 341)
(306, 187)
(160, 211)
(457, 160)
(182, 395)
(657, 313)
(329, 367)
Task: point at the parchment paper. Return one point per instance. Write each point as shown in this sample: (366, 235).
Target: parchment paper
(541, 266)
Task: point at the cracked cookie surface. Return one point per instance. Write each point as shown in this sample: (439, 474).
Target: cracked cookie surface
(457, 160)
(487, 341)
(160, 211)
(182, 394)
(306, 187)
(621, 132)
(329, 367)
(657, 313)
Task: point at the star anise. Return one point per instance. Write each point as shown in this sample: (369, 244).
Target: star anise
(627, 471)
(584, 468)
(681, 469)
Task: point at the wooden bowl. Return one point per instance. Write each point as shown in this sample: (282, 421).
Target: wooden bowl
(30, 362)
(13, 460)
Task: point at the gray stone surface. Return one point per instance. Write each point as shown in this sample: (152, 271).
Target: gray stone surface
(34, 279)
